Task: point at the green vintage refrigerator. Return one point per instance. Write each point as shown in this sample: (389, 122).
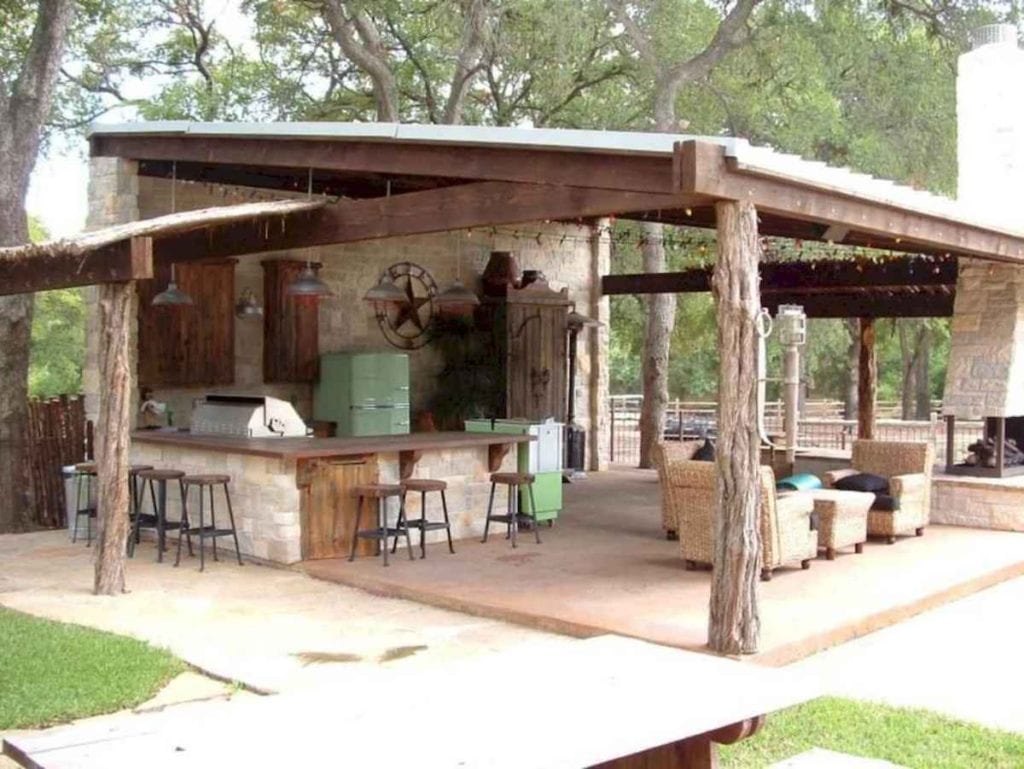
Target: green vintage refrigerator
(364, 393)
(541, 456)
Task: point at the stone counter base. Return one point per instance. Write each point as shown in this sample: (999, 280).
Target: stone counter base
(267, 501)
(984, 503)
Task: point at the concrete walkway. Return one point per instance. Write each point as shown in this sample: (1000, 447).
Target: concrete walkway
(962, 659)
(269, 629)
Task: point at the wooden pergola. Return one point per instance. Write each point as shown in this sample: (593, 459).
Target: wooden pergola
(371, 181)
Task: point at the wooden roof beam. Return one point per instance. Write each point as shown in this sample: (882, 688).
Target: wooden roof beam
(636, 173)
(702, 169)
(479, 204)
(122, 261)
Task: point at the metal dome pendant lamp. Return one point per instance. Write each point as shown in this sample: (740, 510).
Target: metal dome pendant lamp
(457, 299)
(172, 296)
(308, 284)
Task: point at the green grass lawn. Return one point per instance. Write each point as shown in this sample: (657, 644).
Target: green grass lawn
(51, 672)
(913, 738)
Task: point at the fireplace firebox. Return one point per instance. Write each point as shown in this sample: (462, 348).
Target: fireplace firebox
(998, 454)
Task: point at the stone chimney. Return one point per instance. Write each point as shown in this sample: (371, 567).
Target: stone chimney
(986, 359)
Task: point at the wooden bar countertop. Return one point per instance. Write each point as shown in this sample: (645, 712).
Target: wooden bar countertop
(318, 448)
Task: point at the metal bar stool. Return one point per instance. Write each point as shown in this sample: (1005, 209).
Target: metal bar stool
(85, 472)
(204, 530)
(135, 492)
(381, 492)
(156, 481)
(512, 517)
(423, 486)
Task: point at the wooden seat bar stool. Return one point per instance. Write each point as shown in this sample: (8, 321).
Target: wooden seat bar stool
(205, 531)
(381, 492)
(135, 497)
(424, 486)
(155, 480)
(512, 517)
(85, 475)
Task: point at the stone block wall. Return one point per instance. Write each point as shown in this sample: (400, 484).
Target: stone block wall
(573, 256)
(985, 376)
(978, 502)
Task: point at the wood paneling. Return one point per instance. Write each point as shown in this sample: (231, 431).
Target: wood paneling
(193, 344)
(290, 326)
(328, 511)
(536, 368)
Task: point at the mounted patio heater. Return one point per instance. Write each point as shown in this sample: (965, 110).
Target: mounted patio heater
(790, 325)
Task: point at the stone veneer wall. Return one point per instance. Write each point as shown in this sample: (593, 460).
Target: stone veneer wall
(985, 376)
(985, 503)
(571, 255)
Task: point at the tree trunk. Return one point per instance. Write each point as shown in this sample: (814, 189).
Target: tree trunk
(661, 319)
(852, 366)
(734, 626)
(867, 380)
(112, 436)
(15, 333)
(922, 378)
(908, 369)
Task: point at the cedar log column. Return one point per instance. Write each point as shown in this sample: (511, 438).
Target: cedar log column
(734, 625)
(112, 436)
(867, 380)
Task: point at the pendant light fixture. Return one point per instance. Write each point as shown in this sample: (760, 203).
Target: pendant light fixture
(457, 299)
(385, 293)
(308, 284)
(172, 296)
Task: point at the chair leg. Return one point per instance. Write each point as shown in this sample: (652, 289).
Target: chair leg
(88, 516)
(447, 523)
(408, 539)
(533, 507)
(490, 509)
(202, 531)
(161, 523)
(355, 530)
(213, 524)
(182, 526)
(766, 575)
(231, 518)
(513, 513)
(423, 523)
(382, 526)
(398, 525)
(858, 548)
(183, 491)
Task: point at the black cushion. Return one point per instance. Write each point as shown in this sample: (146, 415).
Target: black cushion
(886, 503)
(705, 453)
(876, 484)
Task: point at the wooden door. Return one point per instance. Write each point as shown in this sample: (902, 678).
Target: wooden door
(291, 344)
(536, 368)
(328, 511)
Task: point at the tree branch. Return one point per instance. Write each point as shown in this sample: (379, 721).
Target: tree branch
(366, 52)
(475, 32)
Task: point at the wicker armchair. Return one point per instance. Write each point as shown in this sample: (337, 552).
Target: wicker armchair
(908, 466)
(786, 534)
(679, 451)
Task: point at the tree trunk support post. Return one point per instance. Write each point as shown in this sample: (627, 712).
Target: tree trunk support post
(113, 431)
(734, 625)
(867, 380)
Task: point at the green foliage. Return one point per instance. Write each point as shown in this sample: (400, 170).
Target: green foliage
(470, 381)
(906, 737)
(58, 336)
(54, 672)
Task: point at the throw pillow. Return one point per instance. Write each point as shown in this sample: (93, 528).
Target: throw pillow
(885, 503)
(876, 484)
(705, 453)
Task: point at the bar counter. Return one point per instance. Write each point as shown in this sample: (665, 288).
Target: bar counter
(292, 497)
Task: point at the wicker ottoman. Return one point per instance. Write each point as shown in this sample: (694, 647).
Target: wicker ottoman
(842, 519)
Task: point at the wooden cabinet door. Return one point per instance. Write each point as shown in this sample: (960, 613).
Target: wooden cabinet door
(536, 370)
(193, 344)
(328, 508)
(291, 328)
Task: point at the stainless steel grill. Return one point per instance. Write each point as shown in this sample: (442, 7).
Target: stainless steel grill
(247, 416)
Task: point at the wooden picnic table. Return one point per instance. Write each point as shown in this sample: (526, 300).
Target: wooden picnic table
(607, 702)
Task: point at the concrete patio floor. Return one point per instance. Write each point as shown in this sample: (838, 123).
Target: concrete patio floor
(605, 567)
(270, 629)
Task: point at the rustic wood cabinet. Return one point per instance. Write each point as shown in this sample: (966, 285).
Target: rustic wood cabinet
(188, 345)
(290, 326)
(328, 509)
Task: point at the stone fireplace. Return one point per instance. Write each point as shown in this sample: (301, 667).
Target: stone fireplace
(998, 453)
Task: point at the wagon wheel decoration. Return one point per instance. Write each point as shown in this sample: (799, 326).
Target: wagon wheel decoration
(407, 324)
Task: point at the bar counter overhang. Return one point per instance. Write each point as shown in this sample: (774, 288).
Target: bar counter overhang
(292, 496)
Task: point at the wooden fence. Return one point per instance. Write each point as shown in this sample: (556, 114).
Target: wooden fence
(57, 436)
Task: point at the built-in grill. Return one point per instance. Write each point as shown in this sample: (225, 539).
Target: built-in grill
(247, 416)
